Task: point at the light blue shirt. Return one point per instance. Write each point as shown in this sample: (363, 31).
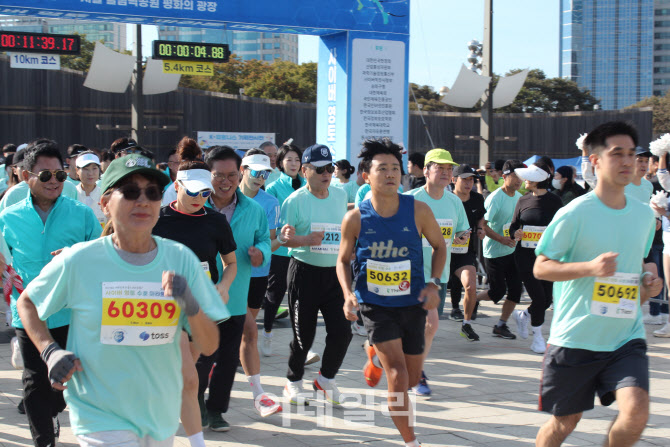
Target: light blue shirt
(31, 241)
(281, 189)
(643, 192)
(22, 190)
(271, 207)
(499, 212)
(581, 231)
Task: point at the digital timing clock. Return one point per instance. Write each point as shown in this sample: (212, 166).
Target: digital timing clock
(39, 43)
(191, 51)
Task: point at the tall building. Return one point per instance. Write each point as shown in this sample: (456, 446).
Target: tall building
(661, 46)
(113, 34)
(607, 46)
(245, 44)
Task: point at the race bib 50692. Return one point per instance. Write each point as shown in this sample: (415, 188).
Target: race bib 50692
(137, 314)
(616, 296)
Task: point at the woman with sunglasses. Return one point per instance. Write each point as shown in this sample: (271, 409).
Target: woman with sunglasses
(256, 168)
(343, 171)
(207, 233)
(129, 295)
(288, 162)
(187, 150)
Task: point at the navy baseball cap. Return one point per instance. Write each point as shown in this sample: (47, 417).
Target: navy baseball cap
(642, 152)
(317, 155)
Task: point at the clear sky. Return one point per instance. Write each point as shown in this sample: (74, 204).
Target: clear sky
(525, 35)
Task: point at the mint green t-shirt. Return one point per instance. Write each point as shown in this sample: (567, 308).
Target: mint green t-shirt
(451, 217)
(643, 192)
(351, 188)
(499, 212)
(592, 313)
(125, 332)
(307, 213)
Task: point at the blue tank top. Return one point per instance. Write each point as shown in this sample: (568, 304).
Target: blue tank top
(389, 257)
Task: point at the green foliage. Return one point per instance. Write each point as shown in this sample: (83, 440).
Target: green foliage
(661, 112)
(82, 61)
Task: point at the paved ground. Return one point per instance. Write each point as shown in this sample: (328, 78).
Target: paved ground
(484, 394)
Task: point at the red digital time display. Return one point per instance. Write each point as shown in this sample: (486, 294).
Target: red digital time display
(39, 43)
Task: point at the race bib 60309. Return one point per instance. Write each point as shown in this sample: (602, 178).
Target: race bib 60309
(137, 314)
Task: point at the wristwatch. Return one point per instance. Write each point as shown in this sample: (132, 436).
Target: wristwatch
(435, 282)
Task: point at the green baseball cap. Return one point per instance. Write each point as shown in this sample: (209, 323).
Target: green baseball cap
(439, 156)
(129, 165)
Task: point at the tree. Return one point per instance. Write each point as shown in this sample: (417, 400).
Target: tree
(661, 112)
(428, 98)
(541, 94)
(82, 61)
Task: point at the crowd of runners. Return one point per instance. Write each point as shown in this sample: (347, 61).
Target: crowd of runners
(126, 279)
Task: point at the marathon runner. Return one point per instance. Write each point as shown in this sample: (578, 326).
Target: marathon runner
(88, 192)
(393, 298)
(288, 162)
(463, 272)
(532, 214)
(342, 174)
(256, 168)
(252, 237)
(73, 152)
(503, 276)
(187, 150)
(35, 229)
(311, 221)
(270, 149)
(597, 340)
(209, 236)
(127, 297)
(450, 214)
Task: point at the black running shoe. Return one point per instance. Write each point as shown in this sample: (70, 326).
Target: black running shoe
(456, 315)
(503, 332)
(20, 408)
(468, 333)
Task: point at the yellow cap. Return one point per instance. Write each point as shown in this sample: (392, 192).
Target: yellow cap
(440, 156)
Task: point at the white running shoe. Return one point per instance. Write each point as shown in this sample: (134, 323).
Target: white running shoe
(330, 390)
(293, 392)
(17, 358)
(538, 345)
(312, 357)
(266, 406)
(663, 332)
(356, 329)
(655, 320)
(266, 345)
(521, 317)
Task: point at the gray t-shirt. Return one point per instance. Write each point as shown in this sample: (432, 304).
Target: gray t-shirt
(137, 258)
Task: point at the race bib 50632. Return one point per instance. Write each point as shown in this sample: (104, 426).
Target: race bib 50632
(137, 314)
(331, 238)
(389, 278)
(616, 296)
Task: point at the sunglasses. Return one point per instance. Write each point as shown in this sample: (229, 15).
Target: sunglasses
(45, 176)
(328, 168)
(204, 193)
(132, 192)
(259, 174)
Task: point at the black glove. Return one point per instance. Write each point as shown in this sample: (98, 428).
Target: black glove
(182, 294)
(59, 362)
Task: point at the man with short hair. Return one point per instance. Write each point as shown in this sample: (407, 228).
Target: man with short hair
(312, 229)
(35, 229)
(640, 187)
(173, 165)
(597, 341)
(503, 276)
(72, 152)
(270, 150)
(494, 175)
(250, 229)
(415, 164)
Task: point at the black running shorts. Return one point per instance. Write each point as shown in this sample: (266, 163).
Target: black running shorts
(389, 323)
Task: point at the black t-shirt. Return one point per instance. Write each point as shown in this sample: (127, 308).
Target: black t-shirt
(207, 233)
(536, 211)
(416, 182)
(474, 209)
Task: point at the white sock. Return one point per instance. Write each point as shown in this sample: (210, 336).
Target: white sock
(467, 321)
(323, 381)
(267, 334)
(537, 331)
(255, 383)
(414, 443)
(197, 440)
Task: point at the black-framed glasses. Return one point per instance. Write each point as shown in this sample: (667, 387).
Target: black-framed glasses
(45, 176)
(321, 169)
(132, 192)
(204, 193)
(264, 174)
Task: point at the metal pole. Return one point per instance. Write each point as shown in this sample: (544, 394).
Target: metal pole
(137, 108)
(486, 123)
(425, 126)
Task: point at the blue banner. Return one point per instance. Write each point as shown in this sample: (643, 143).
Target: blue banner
(282, 16)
